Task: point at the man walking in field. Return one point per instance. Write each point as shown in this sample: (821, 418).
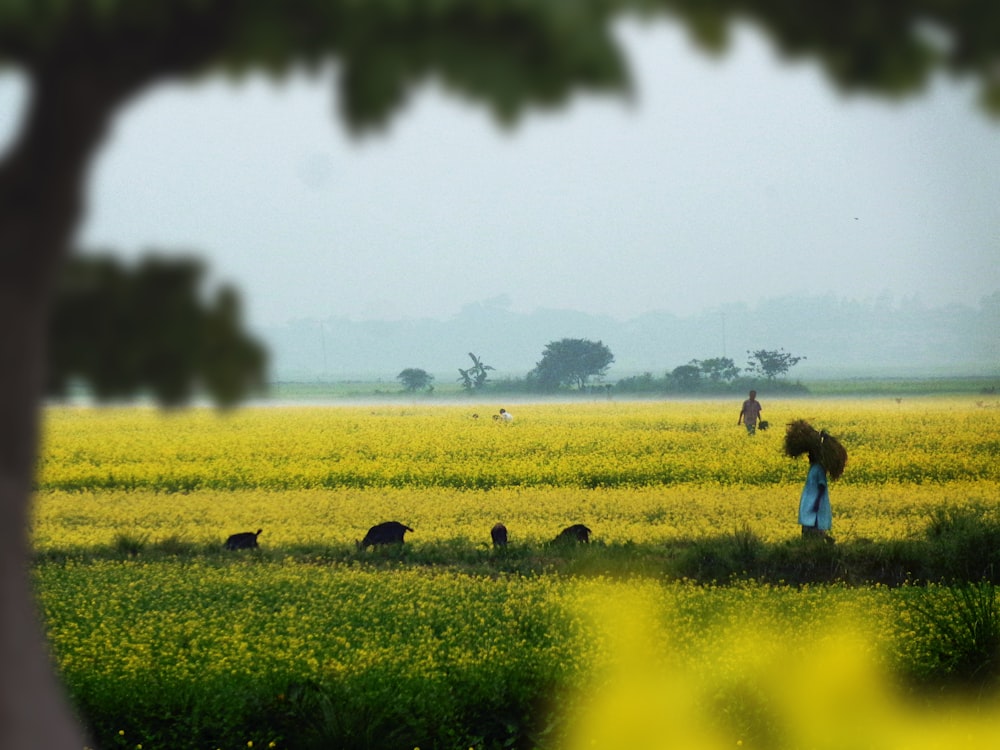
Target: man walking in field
(750, 413)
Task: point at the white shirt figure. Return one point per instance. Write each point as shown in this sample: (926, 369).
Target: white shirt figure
(506, 416)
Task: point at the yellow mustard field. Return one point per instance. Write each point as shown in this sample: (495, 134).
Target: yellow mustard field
(351, 649)
(66, 520)
(587, 445)
(637, 472)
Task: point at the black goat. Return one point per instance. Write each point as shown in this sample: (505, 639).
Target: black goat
(389, 532)
(575, 533)
(243, 540)
(499, 535)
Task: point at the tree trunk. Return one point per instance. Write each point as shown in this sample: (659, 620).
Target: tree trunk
(41, 188)
(75, 90)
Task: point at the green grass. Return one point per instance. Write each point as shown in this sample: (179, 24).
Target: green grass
(951, 638)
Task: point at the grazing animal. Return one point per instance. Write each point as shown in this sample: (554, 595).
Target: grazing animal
(575, 533)
(243, 540)
(389, 532)
(499, 535)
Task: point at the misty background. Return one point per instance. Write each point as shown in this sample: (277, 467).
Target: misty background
(731, 203)
(838, 338)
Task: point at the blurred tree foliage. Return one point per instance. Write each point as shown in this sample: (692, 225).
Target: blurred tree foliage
(124, 332)
(509, 53)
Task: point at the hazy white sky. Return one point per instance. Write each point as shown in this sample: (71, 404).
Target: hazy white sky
(735, 179)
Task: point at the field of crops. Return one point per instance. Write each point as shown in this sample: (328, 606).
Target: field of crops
(167, 640)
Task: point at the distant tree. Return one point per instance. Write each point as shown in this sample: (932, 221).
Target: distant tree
(124, 331)
(771, 363)
(644, 383)
(571, 362)
(686, 377)
(718, 369)
(474, 377)
(415, 379)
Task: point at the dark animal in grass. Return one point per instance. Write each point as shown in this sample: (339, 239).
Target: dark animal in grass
(575, 533)
(243, 540)
(499, 535)
(390, 532)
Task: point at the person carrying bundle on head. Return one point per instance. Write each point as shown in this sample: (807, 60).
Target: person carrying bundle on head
(827, 459)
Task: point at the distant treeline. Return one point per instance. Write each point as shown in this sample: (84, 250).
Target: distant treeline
(856, 339)
(648, 384)
(670, 383)
(983, 389)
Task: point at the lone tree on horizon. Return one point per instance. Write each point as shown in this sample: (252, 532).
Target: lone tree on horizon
(571, 363)
(84, 61)
(771, 363)
(415, 379)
